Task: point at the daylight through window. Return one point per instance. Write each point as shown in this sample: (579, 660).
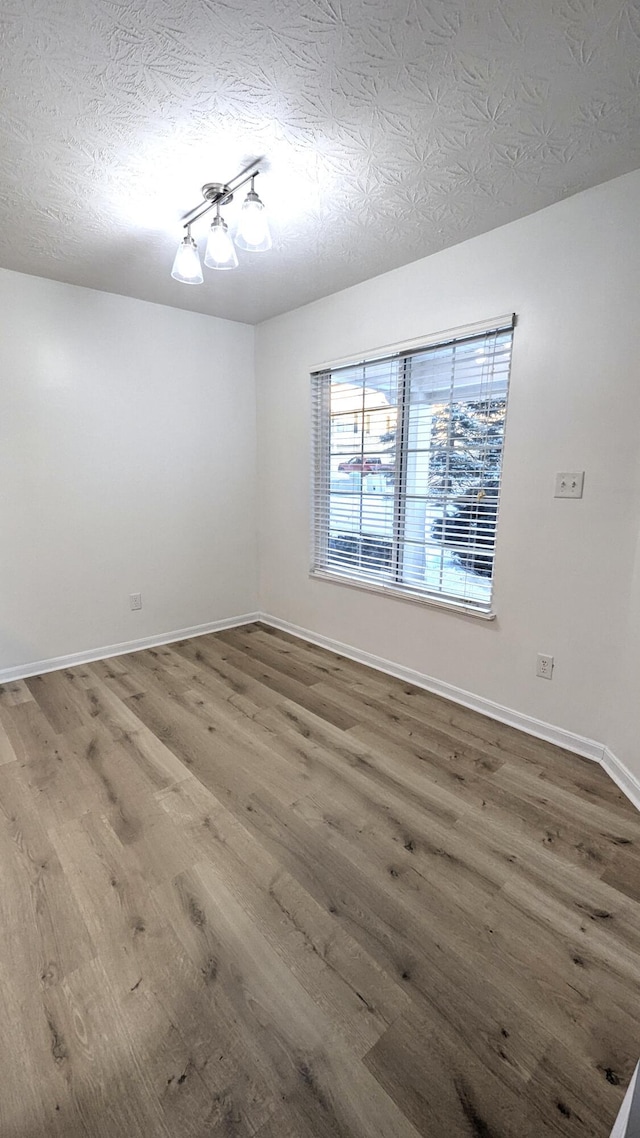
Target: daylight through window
(408, 458)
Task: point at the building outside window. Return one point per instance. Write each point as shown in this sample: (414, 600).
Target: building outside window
(407, 468)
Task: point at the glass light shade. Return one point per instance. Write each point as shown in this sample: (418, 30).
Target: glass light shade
(220, 252)
(187, 267)
(253, 228)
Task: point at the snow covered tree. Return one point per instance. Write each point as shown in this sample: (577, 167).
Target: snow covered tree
(466, 446)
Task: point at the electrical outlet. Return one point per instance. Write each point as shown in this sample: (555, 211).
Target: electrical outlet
(135, 601)
(544, 666)
(569, 485)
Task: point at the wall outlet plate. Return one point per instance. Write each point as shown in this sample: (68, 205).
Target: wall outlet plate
(569, 485)
(135, 601)
(544, 666)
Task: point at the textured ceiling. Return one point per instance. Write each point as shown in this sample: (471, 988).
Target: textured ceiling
(390, 129)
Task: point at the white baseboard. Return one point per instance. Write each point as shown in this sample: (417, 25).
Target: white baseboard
(588, 748)
(622, 776)
(54, 663)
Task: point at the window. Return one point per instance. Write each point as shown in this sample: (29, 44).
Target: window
(407, 500)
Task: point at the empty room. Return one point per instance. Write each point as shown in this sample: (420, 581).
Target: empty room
(320, 569)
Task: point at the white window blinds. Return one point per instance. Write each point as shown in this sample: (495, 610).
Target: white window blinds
(407, 468)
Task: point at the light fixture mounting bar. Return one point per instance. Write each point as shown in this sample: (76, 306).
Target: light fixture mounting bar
(216, 194)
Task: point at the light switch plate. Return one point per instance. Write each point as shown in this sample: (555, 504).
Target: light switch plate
(569, 485)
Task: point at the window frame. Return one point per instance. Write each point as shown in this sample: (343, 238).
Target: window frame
(321, 443)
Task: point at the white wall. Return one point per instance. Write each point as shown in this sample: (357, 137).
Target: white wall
(623, 737)
(571, 273)
(127, 464)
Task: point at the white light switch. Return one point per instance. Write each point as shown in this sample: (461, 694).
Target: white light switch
(569, 485)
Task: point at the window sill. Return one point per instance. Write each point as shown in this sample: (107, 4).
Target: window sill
(402, 595)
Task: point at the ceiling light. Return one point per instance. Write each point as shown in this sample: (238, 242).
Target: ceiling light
(252, 234)
(253, 228)
(220, 252)
(186, 266)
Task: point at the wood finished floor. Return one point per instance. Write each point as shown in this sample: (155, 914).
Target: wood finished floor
(250, 887)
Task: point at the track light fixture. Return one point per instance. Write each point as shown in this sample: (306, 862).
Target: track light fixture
(252, 233)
